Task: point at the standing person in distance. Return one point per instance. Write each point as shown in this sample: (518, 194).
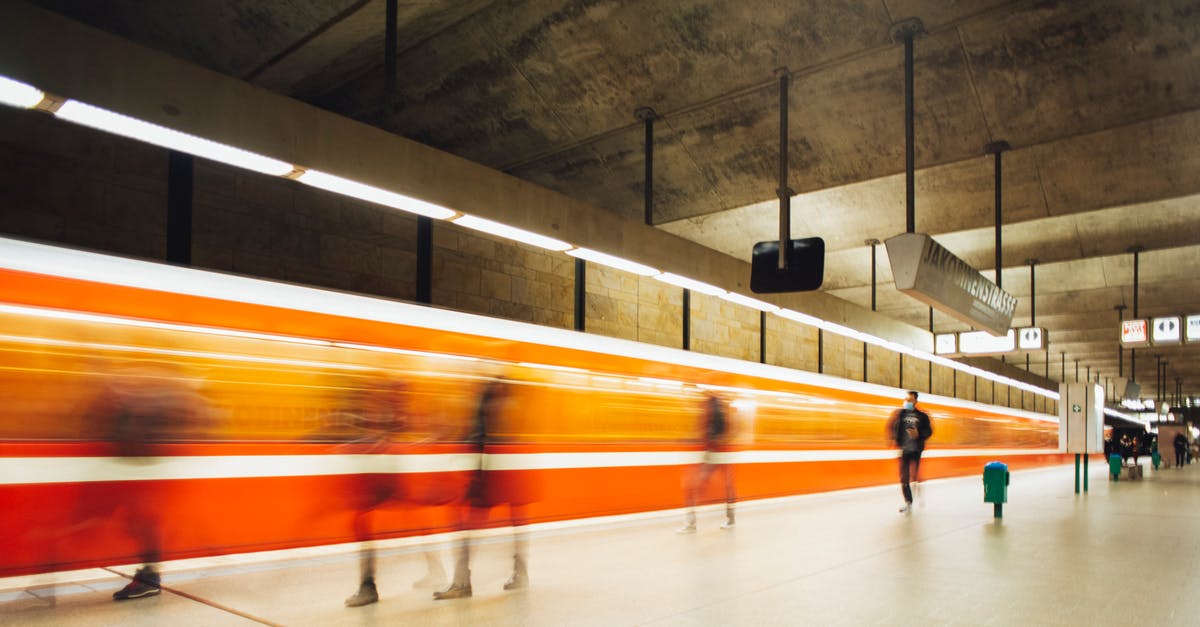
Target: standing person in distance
(1180, 449)
(909, 428)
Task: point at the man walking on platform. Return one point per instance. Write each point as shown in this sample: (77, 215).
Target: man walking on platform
(909, 428)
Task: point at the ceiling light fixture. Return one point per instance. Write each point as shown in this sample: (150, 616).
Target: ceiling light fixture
(752, 303)
(605, 259)
(362, 191)
(18, 94)
(116, 123)
(689, 284)
(512, 232)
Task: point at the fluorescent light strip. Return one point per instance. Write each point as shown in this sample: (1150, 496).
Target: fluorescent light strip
(18, 94)
(149, 324)
(362, 191)
(605, 259)
(752, 303)
(512, 232)
(690, 284)
(110, 122)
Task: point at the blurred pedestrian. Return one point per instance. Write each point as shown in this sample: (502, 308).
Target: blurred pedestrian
(909, 428)
(1180, 449)
(715, 435)
(485, 490)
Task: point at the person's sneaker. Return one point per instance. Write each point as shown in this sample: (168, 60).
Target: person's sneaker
(728, 524)
(366, 595)
(453, 592)
(146, 583)
(907, 508)
(518, 581)
(686, 529)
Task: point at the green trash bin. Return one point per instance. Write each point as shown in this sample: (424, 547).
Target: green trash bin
(995, 485)
(1114, 466)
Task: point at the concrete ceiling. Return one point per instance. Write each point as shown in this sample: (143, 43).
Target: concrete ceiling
(1100, 101)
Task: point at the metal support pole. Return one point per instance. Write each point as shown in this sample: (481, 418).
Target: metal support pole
(901, 386)
(1032, 291)
(1077, 473)
(687, 319)
(1077, 371)
(864, 362)
(784, 192)
(424, 260)
(1085, 473)
(580, 294)
(180, 171)
(996, 148)
(647, 115)
(820, 351)
(1120, 351)
(906, 31)
(1063, 356)
(873, 243)
(762, 337)
(1135, 249)
(389, 62)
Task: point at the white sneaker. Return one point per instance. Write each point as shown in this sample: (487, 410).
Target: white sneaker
(686, 529)
(728, 524)
(906, 509)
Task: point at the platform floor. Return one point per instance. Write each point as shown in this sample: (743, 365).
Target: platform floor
(1123, 554)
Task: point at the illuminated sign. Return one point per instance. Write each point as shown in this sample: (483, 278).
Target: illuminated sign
(1166, 330)
(1193, 328)
(925, 270)
(984, 343)
(1135, 333)
(1031, 339)
(945, 344)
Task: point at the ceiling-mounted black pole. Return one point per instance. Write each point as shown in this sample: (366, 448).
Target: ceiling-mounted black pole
(424, 259)
(687, 319)
(1120, 351)
(389, 62)
(1077, 371)
(1032, 291)
(580, 294)
(906, 31)
(762, 337)
(996, 148)
(784, 192)
(647, 115)
(1135, 249)
(873, 243)
(1063, 356)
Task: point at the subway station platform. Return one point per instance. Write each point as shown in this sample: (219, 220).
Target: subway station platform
(1122, 554)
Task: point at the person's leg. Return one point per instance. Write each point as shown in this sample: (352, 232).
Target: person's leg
(905, 488)
(471, 517)
(730, 495)
(520, 574)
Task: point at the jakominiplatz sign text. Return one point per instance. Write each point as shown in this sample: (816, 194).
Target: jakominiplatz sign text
(933, 275)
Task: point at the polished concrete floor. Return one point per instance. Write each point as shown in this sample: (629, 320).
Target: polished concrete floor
(1123, 554)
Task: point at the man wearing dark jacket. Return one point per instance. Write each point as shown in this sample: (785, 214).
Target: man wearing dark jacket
(909, 428)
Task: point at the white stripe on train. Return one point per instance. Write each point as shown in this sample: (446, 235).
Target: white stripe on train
(43, 470)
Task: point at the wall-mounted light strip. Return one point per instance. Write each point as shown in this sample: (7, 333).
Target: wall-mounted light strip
(512, 232)
(689, 284)
(752, 303)
(18, 94)
(611, 261)
(362, 191)
(110, 122)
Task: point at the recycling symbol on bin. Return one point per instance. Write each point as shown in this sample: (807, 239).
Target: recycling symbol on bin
(1167, 327)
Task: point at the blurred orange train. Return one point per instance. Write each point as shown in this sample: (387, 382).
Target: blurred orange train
(269, 400)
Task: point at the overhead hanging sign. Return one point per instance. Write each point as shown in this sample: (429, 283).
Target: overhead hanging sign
(1166, 330)
(945, 343)
(925, 270)
(1135, 333)
(1193, 328)
(1031, 339)
(984, 343)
